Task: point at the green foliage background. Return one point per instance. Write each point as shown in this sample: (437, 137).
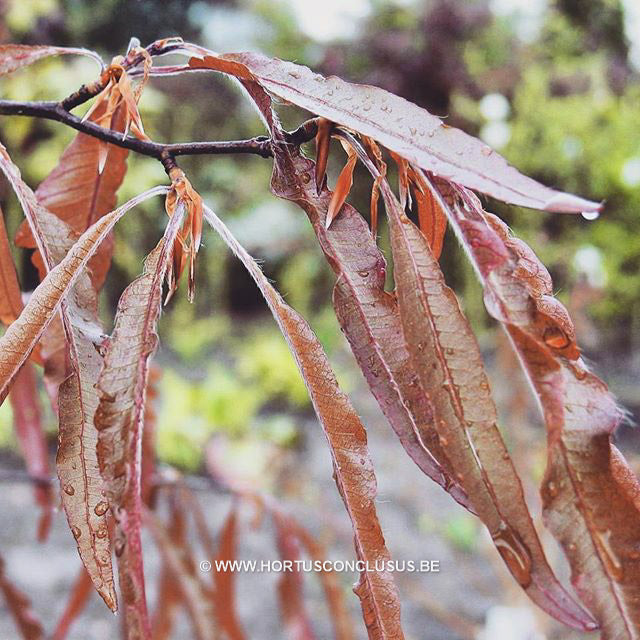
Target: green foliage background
(572, 122)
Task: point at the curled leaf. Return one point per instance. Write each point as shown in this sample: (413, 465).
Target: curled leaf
(400, 126)
(447, 359)
(343, 185)
(347, 440)
(10, 295)
(15, 56)
(323, 141)
(119, 419)
(590, 496)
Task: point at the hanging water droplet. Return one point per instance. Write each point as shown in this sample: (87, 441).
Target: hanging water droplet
(101, 508)
(76, 532)
(69, 490)
(590, 215)
(514, 553)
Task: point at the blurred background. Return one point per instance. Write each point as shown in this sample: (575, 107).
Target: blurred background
(554, 86)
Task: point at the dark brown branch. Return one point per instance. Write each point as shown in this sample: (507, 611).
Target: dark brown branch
(260, 145)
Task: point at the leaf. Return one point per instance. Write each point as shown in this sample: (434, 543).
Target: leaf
(342, 624)
(76, 460)
(224, 602)
(323, 141)
(79, 194)
(347, 440)
(370, 320)
(20, 608)
(170, 596)
(80, 593)
(290, 586)
(10, 295)
(22, 335)
(431, 219)
(77, 465)
(343, 185)
(447, 359)
(400, 126)
(32, 442)
(15, 56)
(178, 562)
(590, 496)
(119, 419)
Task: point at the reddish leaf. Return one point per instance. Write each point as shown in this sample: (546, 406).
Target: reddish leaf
(342, 624)
(180, 565)
(170, 596)
(347, 439)
(369, 318)
(80, 593)
(21, 337)
(78, 193)
(10, 295)
(400, 126)
(290, 588)
(225, 580)
(119, 419)
(15, 56)
(19, 607)
(590, 496)
(31, 439)
(323, 141)
(431, 219)
(77, 465)
(343, 186)
(449, 364)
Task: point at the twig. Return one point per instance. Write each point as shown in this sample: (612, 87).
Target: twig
(260, 145)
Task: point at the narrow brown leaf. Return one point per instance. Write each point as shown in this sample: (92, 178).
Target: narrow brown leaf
(402, 127)
(347, 440)
(31, 440)
(290, 586)
(22, 335)
(170, 596)
(448, 361)
(80, 593)
(590, 496)
(79, 194)
(15, 56)
(119, 419)
(193, 591)
(340, 619)
(403, 179)
(19, 607)
(323, 142)
(343, 185)
(10, 295)
(431, 219)
(224, 581)
(370, 320)
(376, 155)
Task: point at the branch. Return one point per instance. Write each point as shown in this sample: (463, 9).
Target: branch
(260, 145)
